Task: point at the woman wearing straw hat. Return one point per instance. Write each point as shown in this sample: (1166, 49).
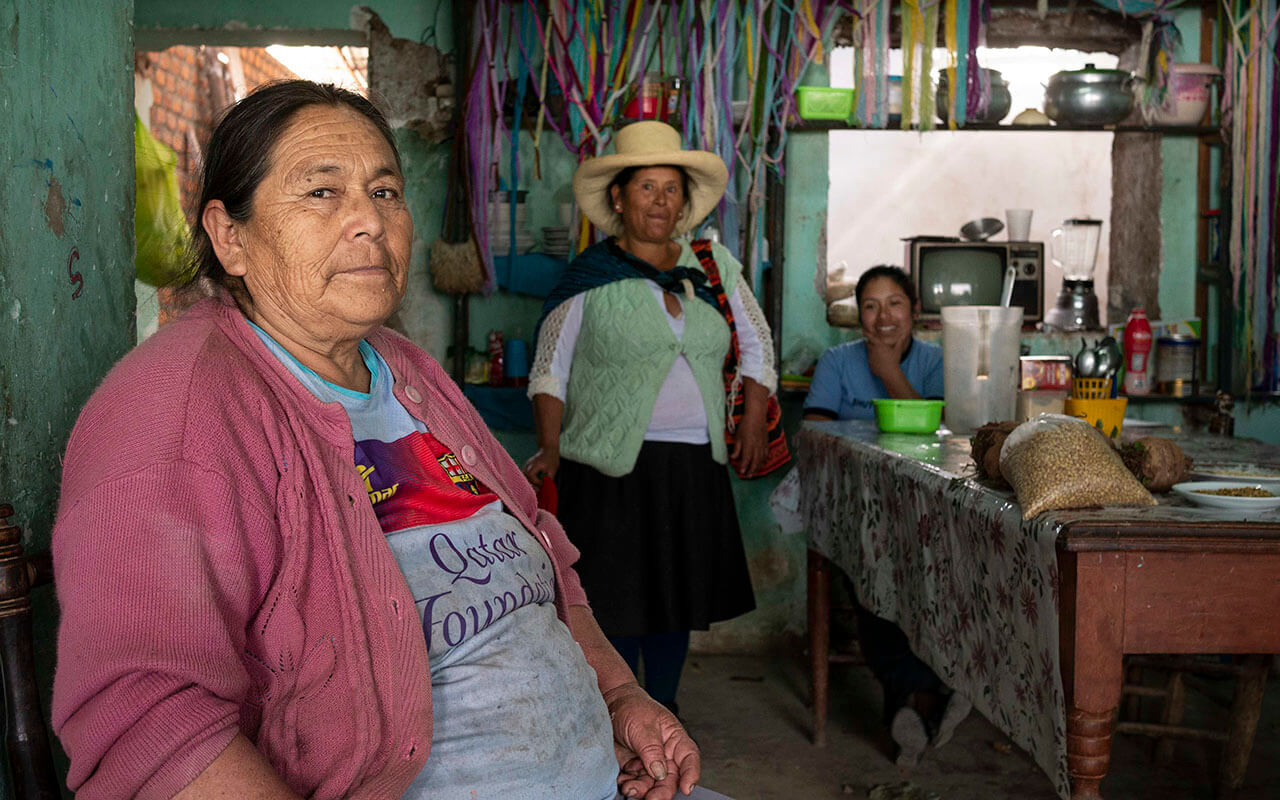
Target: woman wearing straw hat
(629, 401)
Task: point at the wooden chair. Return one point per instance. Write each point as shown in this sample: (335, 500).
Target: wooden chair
(1245, 708)
(820, 655)
(27, 738)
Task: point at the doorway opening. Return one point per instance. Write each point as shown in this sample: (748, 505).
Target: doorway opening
(181, 91)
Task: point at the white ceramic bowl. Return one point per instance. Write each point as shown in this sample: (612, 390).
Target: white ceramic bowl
(1195, 492)
(1188, 97)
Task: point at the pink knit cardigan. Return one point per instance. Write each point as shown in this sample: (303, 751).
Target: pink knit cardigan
(220, 569)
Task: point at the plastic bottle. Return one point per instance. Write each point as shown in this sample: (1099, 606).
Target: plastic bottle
(496, 372)
(1137, 352)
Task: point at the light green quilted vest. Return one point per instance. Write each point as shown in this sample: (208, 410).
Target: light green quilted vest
(625, 350)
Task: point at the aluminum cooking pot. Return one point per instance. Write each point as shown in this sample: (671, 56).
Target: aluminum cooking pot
(1089, 96)
(997, 107)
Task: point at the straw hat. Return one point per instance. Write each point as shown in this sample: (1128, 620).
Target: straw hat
(649, 144)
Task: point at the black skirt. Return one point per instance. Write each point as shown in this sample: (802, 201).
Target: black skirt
(661, 548)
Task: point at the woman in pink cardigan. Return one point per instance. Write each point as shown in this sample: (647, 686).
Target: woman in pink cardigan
(291, 559)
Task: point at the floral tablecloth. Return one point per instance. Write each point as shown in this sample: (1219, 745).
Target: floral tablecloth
(973, 586)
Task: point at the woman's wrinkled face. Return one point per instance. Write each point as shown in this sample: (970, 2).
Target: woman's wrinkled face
(651, 203)
(326, 248)
(885, 311)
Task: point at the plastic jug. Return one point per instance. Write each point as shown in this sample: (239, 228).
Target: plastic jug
(980, 349)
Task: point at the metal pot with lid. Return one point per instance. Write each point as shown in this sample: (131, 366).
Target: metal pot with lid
(1089, 96)
(998, 104)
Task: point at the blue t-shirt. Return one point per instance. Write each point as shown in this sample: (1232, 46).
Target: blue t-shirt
(843, 384)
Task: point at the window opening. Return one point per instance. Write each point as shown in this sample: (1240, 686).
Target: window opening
(885, 186)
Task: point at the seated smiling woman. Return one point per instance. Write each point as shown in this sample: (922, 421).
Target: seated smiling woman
(292, 561)
(888, 361)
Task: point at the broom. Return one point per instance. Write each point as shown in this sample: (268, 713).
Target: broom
(456, 266)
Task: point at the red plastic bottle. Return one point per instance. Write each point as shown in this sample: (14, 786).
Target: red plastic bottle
(1137, 351)
(495, 358)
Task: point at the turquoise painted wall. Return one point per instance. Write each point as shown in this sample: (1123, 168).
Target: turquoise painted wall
(406, 18)
(66, 245)
(1178, 215)
(804, 315)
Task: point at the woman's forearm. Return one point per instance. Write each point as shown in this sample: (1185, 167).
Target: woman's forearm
(896, 384)
(548, 413)
(611, 671)
(755, 400)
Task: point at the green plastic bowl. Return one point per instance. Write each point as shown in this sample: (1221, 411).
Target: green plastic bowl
(909, 416)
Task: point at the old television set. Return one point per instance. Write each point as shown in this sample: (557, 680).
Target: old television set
(950, 272)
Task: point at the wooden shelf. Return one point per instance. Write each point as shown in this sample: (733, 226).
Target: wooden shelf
(1163, 130)
(1190, 400)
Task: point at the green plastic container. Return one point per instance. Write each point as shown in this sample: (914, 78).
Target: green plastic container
(823, 102)
(908, 416)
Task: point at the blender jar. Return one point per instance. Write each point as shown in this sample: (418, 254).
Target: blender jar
(1074, 248)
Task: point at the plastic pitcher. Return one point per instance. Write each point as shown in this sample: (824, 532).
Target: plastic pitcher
(980, 349)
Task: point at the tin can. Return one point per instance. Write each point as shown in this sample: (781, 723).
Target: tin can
(1176, 358)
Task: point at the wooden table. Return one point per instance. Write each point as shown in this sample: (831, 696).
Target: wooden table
(1032, 618)
(1169, 588)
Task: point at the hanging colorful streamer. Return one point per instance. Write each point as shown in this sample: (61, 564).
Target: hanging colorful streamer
(1160, 40)
(963, 24)
(1251, 111)
(583, 59)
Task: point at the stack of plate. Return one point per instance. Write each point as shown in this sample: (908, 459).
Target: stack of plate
(500, 228)
(555, 241)
(500, 243)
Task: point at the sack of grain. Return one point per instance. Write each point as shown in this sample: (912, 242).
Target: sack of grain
(1055, 461)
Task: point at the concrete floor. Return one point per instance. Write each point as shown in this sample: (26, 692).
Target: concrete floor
(751, 719)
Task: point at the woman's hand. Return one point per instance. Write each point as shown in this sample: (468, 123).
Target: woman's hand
(751, 445)
(656, 757)
(542, 464)
(884, 357)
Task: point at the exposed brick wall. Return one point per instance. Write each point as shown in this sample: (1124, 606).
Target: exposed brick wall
(190, 87)
(260, 67)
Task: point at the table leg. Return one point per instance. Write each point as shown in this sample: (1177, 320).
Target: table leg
(1092, 619)
(819, 587)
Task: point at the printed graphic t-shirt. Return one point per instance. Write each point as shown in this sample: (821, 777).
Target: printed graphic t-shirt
(517, 713)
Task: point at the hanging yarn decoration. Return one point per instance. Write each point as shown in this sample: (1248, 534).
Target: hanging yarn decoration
(959, 56)
(963, 24)
(590, 55)
(1251, 110)
(919, 33)
(1160, 40)
(871, 63)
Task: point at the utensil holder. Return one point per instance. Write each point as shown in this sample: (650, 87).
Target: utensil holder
(1091, 388)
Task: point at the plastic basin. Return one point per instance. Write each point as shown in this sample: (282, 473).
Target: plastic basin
(908, 416)
(824, 102)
